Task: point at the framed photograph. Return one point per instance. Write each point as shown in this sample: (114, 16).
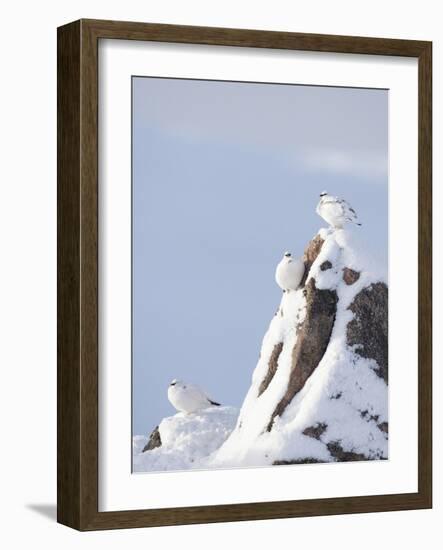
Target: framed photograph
(244, 274)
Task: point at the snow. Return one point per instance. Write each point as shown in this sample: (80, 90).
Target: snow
(343, 398)
(186, 440)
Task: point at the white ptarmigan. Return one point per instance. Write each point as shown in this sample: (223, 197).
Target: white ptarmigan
(289, 272)
(188, 398)
(335, 211)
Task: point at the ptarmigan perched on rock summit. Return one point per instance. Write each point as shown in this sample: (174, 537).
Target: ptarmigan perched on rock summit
(337, 212)
(188, 398)
(289, 272)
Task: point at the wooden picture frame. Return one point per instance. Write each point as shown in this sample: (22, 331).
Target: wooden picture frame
(77, 456)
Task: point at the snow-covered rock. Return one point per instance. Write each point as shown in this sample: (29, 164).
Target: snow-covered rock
(183, 440)
(319, 392)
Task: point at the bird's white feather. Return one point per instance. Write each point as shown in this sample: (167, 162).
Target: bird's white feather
(337, 212)
(188, 398)
(289, 273)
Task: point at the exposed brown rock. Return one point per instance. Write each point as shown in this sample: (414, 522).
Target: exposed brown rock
(315, 431)
(272, 367)
(326, 265)
(384, 427)
(350, 276)
(336, 451)
(296, 461)
(368, 330)
(313, 339)
(368, 417)
(154, 440)
(310, 255)
(341, 455)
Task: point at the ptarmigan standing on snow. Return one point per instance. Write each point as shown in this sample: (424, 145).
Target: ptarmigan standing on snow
(335, 211)
(188, 398)
(289, 272)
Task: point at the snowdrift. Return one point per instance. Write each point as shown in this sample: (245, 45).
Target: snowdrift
(181, 441)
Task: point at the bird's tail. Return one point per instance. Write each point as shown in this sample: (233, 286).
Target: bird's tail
(214, 403)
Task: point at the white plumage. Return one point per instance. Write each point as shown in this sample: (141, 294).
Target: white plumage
(188, 398)
(289, 272)
(337, 212)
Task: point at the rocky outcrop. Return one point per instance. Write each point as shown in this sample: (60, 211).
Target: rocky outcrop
(319, 391)
(296, 461)
(272, 367)
(312, 340)
(154, 440)
(315, 431)
(384, 427)
(367, 333)
(326, 265)
(310, 255)
(350, 276)
(340, 455)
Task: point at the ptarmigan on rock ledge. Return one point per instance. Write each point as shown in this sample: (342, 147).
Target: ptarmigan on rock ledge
(337, 212)
(289, 272)
(188, 398)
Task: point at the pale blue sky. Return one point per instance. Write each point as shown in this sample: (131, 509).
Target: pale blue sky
(226, 177)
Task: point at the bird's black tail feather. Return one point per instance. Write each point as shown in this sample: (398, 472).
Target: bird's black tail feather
(214, 403)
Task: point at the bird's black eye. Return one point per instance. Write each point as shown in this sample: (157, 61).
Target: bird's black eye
(173, 383)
